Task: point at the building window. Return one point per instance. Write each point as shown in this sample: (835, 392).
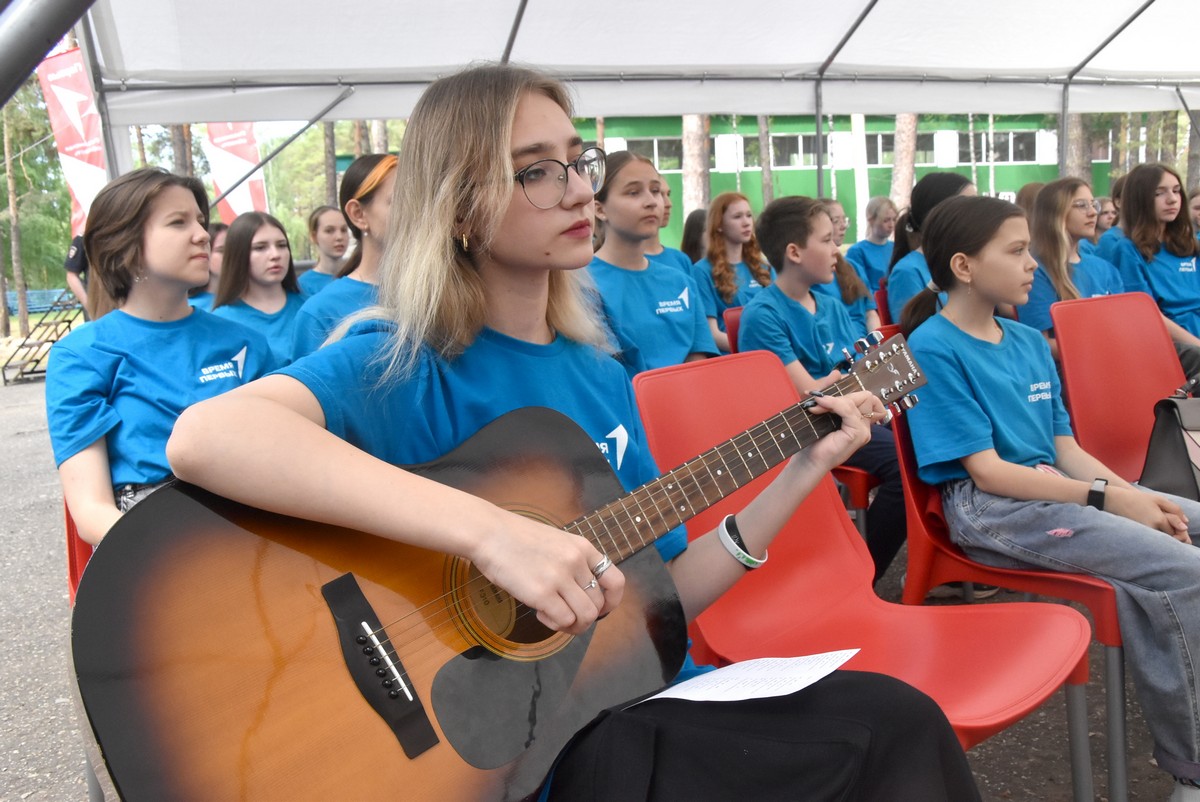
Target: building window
(964, 148)
(881, 149)
(665, 154)
(925, 152)
(1024, 146)
(785, 151)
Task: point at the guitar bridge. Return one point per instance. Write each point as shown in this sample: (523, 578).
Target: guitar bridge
(376, 668)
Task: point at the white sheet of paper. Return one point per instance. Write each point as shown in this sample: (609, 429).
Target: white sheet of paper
(758, 679)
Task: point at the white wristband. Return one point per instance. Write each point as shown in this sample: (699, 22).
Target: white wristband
(746, 559)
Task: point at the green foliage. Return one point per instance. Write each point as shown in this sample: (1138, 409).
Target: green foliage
(43, 202)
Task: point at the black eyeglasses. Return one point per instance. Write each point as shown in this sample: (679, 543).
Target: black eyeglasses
(545, 181)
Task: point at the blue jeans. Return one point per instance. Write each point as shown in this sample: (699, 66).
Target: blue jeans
(1157, 583)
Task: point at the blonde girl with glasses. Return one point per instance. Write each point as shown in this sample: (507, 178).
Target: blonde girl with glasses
(484, 310)
(1064, 217)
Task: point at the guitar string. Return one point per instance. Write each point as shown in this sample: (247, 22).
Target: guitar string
(451, 616)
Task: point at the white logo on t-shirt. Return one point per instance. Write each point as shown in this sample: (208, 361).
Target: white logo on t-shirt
(1039, 391)
(1188, 265)
(230, 369)
(620, 439)
(677, 304)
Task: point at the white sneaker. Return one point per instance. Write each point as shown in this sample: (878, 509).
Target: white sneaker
(1184, 793)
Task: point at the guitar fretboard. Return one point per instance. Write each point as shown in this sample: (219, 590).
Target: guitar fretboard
(632, 522)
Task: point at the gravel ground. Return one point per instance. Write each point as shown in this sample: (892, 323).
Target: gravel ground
(41, 757)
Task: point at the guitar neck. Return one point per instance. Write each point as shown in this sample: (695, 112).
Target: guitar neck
(632, 522)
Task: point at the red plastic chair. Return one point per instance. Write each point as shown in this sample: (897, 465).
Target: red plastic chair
(79, 551)
(933, 559)
(881, 306)
(1117, 361)
(733, 321)
(986, 665)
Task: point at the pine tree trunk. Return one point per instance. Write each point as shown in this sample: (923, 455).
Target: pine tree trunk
(600, 133)
(1193, 158)
(141, 146)
(1079, 152)
(5, 326)
(359, 148)
(1170, 139)
(14, 219)
(179, 149)
(330, 164)
(764, 158)
(904, 159)
(188, 165)
(379, 136)
(696, 189)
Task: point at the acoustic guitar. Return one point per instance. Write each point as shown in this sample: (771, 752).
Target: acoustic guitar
(225, 653)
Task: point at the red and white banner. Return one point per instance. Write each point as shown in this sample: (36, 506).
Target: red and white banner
(232, 152)
(76, 126)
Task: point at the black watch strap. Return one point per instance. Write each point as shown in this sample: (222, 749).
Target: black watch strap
(1095, 497)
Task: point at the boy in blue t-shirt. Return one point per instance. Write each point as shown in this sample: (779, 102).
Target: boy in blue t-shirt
(808, 332)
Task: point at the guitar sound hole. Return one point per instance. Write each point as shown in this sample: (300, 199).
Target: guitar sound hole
(503, 615)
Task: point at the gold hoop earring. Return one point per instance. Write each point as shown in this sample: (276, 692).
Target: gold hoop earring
(462, 238)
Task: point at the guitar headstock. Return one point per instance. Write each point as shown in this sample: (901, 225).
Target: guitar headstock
(885, 369)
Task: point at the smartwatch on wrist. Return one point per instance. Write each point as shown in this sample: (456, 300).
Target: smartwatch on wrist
(1095, 497)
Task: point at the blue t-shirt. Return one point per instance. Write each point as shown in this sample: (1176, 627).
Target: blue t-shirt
(1172, 281)
(1091, 275)
(321, 313)
(312, 282)
(983, 395)
(858, 309)
(714, 305)
(202, 300)
(1087, 248)
(656, 309)
(1106, 246)
(776, 323)
(908, 277)
(873, 259)
(128, 379)
(672, 257)
(276, 327)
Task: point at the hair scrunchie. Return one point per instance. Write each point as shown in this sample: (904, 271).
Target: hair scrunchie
(932, 286)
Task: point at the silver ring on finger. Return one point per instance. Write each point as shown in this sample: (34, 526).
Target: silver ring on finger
(591, 584)
(602, 566)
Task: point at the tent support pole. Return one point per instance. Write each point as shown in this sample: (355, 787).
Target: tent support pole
(819, 142)
(113, 163)
(29, 29)
(512, 34)
(1062, 121)
(346, 92)
(820, 149)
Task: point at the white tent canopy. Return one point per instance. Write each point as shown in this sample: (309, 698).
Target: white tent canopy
(158, 61)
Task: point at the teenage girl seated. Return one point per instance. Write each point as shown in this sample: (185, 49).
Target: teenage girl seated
(366, 198)
(115, 386)
(849, 283)
(1018, 490)
(1064, 217)
(484, 312)
(328, 233)
(655, 250)
(734, 268)
(649, 304)
(258, 281)
(909, 272)
(873, 253)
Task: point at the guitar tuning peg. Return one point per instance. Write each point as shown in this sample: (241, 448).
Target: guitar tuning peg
(909, 401)
(862, 345)
(849, 356)
(875, 337)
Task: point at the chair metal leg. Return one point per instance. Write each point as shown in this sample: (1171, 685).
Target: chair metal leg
(1114, 690)
(1081, 755)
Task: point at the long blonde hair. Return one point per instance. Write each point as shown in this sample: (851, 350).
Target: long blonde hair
(456, 179)
(1048, 235)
